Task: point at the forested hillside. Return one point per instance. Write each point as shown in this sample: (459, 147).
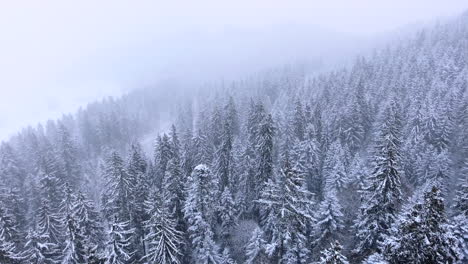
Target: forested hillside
(365, 164)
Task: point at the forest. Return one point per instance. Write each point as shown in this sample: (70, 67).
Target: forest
(367, 163)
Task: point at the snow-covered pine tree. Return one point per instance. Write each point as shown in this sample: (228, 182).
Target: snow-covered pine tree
(202, 148)
(216, 126)
(8, 252)
(334, 168)
(118, 189)
(118, 246)
(333, 255)
(460, 218)
(164, 241)
(8, 227)
(255, 248)
(163, 153)
(227, 212)
(50, 223)
(8, 238)
(328, 222)
(75, 250)
(199, 212)
(266, 133)
(226, 257)
(309, 162)
(423, 235)
(12, 189)
(223, 157)
(137, 173)
(287, 213)
(173, 185)
(68, 154)
(232, 116)
(382, 195)
(38, 250)
(89, 220)
(299, 122)
(246, 169)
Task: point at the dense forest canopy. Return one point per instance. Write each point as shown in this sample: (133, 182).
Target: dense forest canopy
(364, 164)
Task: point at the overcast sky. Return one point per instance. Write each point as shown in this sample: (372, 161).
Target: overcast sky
(58, 55)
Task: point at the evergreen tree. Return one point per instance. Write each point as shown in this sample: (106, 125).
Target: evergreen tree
(137, 174)
(202, 148)
(382, 195)
(232, 116)
(333, 255)
(50, 218)
(68, 154)
(227, 212)
(164, 240)
(423, 236)
(89, 220)
(8, 227)
(264, 161)
(38, 250)
(163, 153)
(299, 121)
(287, 206)
(199, 210)
(335, 168)
(8, 251)
(216, 126)
(118, 189)
(75, 251)
(223, 160)
(119, 246)
(328, 222)
(255, 249)
(460, 219)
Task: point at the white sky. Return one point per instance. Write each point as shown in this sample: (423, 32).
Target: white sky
(58, 55)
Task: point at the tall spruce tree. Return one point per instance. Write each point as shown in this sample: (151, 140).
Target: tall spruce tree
(164, 240)
(382, 193)
(287, 214)
(199, 212)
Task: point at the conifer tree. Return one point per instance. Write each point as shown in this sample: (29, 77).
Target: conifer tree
(333, 255)
(232, 116)
(164, 240)
(75, 251)
(119, 245)
(334, 168)
(227, 212)
(255, 248)
(68, 154)
(38, 250)
(199, 211)
(266, 133)
(137, 174)
(299, 121)
(223, 160)
(118, 189)
(382, 195)
(89, 220)
(423, 236)
(460, 219)
(328, 222)
(287, 213)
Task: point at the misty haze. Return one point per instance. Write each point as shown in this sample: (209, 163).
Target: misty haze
(216, 132)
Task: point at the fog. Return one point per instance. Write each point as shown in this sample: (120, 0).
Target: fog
(58, 55)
